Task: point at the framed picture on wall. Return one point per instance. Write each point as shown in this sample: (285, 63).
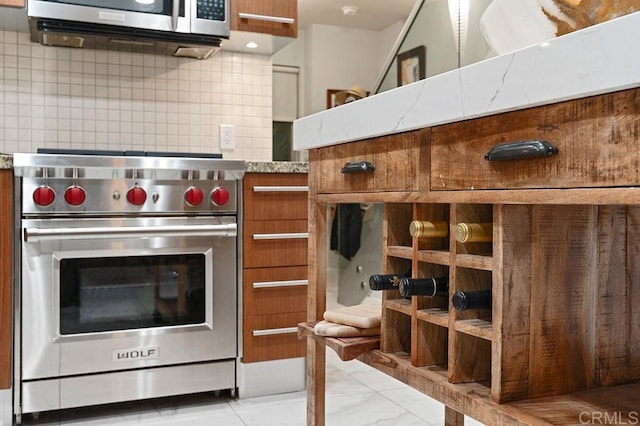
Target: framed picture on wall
(411, 65)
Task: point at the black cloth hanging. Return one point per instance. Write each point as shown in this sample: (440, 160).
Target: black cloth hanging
(346, 229)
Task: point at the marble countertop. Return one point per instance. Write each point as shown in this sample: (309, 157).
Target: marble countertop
(6, 162)
(595, 60)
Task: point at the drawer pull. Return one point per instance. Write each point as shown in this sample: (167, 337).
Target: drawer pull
(521, 150)
(271, 284)
(280, 189)
(287, 236)
(274, 331)
(267, 18)
(358, 167)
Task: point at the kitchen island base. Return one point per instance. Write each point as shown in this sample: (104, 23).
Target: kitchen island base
(561, 342)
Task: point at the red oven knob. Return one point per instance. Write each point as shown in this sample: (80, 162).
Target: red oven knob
(74, 195)
(43, 195)
(220, 196)
(193, 196)
(136, 196)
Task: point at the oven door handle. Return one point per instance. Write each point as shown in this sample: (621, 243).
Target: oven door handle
(63, 234)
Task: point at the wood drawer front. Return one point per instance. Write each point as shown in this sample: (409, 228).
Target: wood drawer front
(269, 20)
(395, 159)
(269, 243)
(269, 337)
(597, 139)
(275, 196)
(274, 290)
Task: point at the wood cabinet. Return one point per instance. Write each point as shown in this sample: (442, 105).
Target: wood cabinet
(274, 265)
(275, 17)
(12, 3)
(6, 256)
(561, 340)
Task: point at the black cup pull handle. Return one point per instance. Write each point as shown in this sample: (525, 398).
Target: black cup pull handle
(521, 150)
(358, 167)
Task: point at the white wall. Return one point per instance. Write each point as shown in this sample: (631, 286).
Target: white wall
(332, 57)
(82, 98)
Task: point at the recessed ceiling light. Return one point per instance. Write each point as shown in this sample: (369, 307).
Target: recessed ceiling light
(349, 10)
(252, 45)
(145, 1)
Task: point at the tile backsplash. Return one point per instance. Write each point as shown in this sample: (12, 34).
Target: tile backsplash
(87, 99)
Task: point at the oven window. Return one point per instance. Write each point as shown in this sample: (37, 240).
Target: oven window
(122, 293)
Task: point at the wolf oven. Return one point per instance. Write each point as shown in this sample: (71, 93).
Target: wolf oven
(128, 278)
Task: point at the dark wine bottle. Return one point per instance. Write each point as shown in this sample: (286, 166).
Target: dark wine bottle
(387, 282)
(463, 300)
(424, 286)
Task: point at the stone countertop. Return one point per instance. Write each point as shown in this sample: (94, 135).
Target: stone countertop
(6, 162)
(598, 59)
(276, 167)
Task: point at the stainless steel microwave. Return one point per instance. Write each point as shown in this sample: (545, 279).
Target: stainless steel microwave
(173, 24)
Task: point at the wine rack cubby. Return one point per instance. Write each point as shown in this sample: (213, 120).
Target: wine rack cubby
(458, 342)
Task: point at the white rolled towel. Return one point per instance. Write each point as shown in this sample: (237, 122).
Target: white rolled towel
(331, 329)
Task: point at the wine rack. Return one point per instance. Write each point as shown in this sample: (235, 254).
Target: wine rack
(435, 335)
(531, 244)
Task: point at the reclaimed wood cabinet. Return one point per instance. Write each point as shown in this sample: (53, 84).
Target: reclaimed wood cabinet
(561, 341)
(275, 17)
(274, 265)
(6, 257)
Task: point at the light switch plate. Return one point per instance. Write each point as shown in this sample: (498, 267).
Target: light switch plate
(226, 137)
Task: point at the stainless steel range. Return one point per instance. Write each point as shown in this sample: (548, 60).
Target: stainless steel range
(128, 278)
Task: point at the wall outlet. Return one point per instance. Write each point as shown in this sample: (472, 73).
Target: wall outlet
(226, 137)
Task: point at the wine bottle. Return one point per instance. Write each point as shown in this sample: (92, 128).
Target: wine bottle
(463, 300)
(387, 282)
(474, 232)
(424, 286)
(427, 229)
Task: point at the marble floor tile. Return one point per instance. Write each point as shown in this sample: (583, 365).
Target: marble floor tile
(366, 408)
(201, 412)
(338, 382)
(416, 403)
(287, 409)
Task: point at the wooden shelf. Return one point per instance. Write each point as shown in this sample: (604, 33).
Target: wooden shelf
(399, 305)
(347, 348)
(475, 327)
(400, 252)
(435, 316)
(474, 261)
(438, 257)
